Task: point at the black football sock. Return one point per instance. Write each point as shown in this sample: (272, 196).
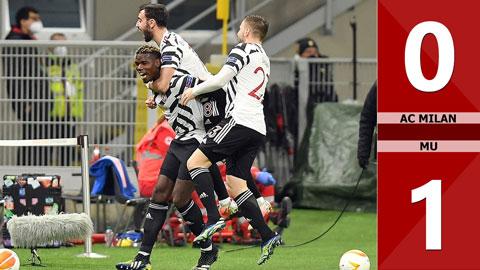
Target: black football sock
(249, 207)
(154, 219)
(204, 186)
(252, 185)
(193, 216)
(218, 183)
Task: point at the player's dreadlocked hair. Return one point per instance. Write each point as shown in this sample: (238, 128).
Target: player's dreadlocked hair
(148, 49)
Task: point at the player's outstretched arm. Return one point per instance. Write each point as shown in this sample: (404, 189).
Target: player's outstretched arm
(162, 84)
(211, 84)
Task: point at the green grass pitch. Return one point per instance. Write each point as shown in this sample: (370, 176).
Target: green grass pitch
(353, 231)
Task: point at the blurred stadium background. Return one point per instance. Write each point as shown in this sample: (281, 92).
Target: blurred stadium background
(317, 99)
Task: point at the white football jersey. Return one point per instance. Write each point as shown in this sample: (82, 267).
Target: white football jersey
(177, 53)
(186, 121)
(246, 90)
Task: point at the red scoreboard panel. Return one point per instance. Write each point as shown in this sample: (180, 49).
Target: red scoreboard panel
(428, 134)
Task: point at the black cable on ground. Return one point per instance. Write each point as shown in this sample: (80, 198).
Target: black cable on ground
(323, 233)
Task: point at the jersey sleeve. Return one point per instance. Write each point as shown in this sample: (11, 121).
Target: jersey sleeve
(237, 58)
(171, 55)
(180, 83)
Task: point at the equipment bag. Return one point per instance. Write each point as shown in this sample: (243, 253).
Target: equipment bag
(36, 194)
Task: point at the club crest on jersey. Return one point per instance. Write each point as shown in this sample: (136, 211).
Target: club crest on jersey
(231, 60)
(166, 58)
(188, 82)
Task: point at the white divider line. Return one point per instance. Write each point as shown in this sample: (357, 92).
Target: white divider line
(41, 142)
(429, 146)
(428, 118)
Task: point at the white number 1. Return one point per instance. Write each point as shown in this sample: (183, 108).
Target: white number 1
(432, 192)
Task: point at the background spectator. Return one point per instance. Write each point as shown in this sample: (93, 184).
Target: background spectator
(67, 91)
(321, 77)
(25, 83)
(307, 48)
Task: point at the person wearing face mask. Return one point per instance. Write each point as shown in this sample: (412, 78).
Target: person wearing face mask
(27, 85)
(28, 24)
(66, 89)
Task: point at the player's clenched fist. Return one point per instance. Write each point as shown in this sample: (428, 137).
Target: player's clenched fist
(150, 102)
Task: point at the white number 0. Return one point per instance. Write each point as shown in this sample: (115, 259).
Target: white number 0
(446, 56)
(432, 192)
